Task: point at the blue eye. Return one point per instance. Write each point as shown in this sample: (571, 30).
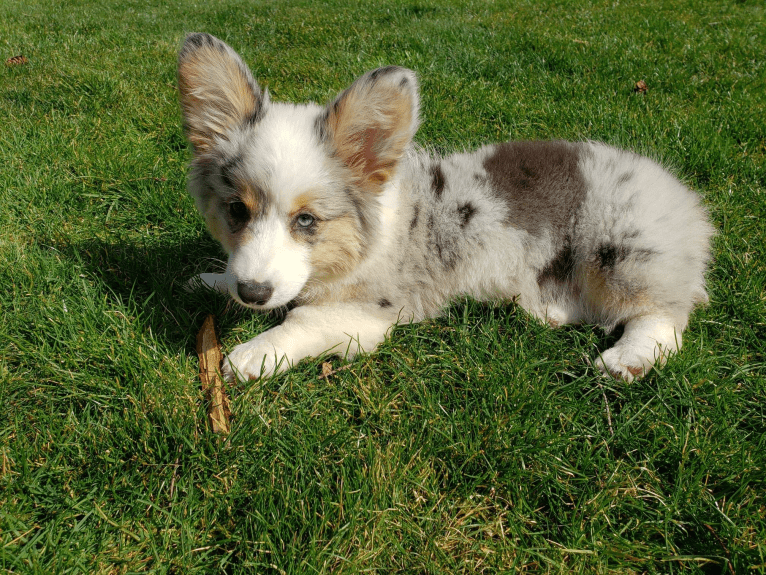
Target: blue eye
(304, 220)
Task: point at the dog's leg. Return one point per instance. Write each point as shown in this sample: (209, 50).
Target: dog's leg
(647, 341)
(342, 329)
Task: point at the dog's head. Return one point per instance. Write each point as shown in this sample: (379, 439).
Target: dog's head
(290, 191)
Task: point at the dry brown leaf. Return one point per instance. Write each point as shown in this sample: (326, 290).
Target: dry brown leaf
(16, 60)
(327, 370)
(210, 358)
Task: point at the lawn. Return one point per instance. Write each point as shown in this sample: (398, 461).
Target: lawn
(481, 442)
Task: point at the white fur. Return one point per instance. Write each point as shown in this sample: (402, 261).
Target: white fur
(286, 152)
(270, 255)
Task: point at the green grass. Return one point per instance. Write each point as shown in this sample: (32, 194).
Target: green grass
(481, 442)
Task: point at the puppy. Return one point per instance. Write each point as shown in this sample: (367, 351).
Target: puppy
(334, 210)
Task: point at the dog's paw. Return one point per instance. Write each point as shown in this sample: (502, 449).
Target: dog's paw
(255, 359)
(623, 364)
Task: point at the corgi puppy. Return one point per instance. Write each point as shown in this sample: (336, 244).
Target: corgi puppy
(333, 210)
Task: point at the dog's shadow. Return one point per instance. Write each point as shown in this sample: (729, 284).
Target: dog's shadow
(148, 278)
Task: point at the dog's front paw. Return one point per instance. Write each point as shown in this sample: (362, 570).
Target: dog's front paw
(623, 364)
(256, 358)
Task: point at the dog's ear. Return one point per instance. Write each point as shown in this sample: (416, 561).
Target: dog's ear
(218, 92)
(370, 124)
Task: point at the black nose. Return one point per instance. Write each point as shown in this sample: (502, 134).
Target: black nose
(254, 292)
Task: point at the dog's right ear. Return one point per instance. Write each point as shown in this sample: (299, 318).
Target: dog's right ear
(370, 124)
(217, 90)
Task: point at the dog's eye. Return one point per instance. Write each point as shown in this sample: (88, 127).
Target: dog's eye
(238, 211)
(304, 220)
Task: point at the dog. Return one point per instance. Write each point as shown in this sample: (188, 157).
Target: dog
(333, 210)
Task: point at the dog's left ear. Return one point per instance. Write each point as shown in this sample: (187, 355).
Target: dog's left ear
(217, 90)
(370, 124)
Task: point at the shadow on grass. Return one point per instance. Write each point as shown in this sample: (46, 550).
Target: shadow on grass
(147, 277)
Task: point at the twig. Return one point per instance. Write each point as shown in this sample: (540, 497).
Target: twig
(210, 358)
(608, 411)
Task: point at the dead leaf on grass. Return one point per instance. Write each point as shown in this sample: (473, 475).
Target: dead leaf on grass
(16, 60)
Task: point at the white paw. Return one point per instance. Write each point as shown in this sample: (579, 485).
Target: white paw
(254, 359)
(624, 363)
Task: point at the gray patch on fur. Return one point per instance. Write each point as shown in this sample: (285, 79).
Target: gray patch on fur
(437, 180)
(643, 255)
(444, 244)
(197, 40)
(259, 113)
(375, 74)
(232, 176)
(610, 255)
(365, 216)
(539, 182)
(415, 216)
(320, 126)
(466, 213)
(229, 171)
(625, 178)
(560, 268)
